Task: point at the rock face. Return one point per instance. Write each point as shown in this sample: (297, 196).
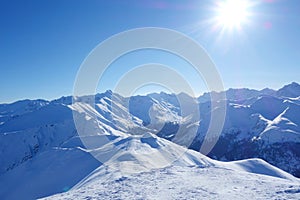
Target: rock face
(259, 124)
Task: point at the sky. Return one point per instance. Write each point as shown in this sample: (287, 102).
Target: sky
(44, 42)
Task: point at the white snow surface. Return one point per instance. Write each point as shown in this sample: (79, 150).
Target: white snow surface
(184, 182)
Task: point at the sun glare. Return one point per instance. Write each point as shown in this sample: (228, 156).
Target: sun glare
(232, 13)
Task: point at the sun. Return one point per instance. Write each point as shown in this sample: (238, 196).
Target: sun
(232, 14)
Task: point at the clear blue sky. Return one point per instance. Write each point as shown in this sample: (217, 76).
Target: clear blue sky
(43, 42)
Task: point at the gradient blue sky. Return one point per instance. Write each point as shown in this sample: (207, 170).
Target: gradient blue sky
(43, 42)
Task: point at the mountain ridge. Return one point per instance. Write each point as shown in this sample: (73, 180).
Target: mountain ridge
(42, 129)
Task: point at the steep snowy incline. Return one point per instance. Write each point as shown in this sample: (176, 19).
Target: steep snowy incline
(49, 172)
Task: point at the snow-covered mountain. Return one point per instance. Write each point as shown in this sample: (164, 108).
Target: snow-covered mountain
(292, 90)
(263, 126)
(132, 139)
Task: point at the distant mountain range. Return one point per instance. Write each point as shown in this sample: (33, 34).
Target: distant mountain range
(42, 154)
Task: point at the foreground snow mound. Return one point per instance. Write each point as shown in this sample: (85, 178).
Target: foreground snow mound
(182, 182)
(148, 167)
(140, 153)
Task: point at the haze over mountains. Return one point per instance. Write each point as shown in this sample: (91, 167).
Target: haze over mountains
(142, 137)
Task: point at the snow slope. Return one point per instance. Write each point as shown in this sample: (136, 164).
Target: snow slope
(178, 182)
(148, 167)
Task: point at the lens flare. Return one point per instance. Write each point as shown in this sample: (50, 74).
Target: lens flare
(232, 14)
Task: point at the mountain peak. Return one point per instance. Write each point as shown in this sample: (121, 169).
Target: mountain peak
(291, 90)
